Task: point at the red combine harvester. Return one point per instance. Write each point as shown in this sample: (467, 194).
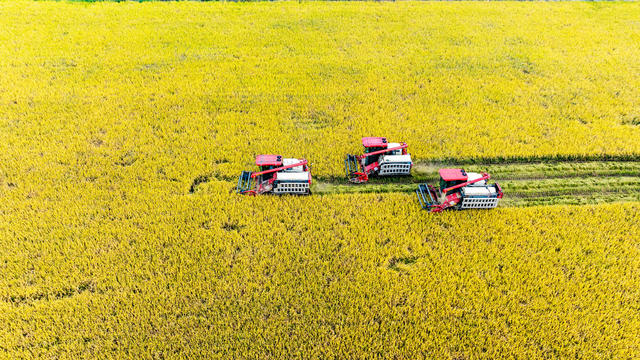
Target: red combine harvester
(459, 190)
(380, 158)
(277, 176)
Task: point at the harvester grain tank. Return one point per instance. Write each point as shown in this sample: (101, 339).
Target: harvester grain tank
(277, 175)
(459, 190)
(380, 158)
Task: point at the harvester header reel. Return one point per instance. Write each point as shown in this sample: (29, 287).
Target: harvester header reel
(277, 175)
(459, 190)
(380, 158)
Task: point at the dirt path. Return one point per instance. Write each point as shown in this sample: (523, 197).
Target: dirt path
(542, 183)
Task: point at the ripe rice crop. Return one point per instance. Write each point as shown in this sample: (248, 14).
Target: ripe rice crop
(216, 275)
(123, 127)
(215, 84)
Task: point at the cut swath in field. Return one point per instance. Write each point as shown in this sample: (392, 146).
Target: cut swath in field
(543, 183)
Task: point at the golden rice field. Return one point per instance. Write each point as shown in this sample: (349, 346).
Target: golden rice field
(123, 127)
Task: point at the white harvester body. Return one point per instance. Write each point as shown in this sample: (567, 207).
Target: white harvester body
(380, 158)
(395, 165)
(278, 175)
(459, 190)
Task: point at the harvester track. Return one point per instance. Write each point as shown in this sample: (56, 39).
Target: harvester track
(524, 184)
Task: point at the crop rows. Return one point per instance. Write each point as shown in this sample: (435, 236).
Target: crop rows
(543, 183)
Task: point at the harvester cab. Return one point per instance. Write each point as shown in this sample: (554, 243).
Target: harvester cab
(277, 175)
(459, 190)
(380, 158)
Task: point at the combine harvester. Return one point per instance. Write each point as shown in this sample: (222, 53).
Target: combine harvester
(459, 190)
(276, 176)
(379, 158)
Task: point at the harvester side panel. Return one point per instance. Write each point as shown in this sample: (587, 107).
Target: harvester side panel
(395, 169)
(479, 203)
(291, 188)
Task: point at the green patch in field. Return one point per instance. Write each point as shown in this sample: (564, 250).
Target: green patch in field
(632, 119)
(65, 292)
(128, 158)
(312, 119)
(402, 263)
(522, 64)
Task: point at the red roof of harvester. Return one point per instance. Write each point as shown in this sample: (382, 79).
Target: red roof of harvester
(267, 160)
(374, 142)
(453, 174)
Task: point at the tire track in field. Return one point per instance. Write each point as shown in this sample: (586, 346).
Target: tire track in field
(524, 184)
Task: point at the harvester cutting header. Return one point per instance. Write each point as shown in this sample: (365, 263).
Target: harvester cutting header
(277, 175)
(459, 190)
(380, 158)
